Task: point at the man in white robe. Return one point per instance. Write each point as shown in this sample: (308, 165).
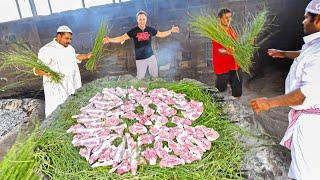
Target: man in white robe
(302, 94)
(61, 57)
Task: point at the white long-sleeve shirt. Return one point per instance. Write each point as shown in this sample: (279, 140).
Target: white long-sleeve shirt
(304, 74)
(63, 60)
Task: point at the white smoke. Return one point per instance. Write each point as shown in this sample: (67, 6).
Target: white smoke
(167, 55)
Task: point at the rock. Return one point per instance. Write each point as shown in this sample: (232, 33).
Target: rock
(11, 104)
(15, 117)
(165, 67)
(3, 79)
(265, 158)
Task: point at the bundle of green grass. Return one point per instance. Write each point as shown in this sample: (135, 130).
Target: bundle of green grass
(19, 63)
(97, 49)
(208, 25)
(21, 58)
(50, 153)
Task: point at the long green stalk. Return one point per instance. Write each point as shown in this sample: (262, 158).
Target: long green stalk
(97, 48)
(24, 60)
(19, 162)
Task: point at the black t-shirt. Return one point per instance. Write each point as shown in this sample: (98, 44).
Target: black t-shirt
(142, 41)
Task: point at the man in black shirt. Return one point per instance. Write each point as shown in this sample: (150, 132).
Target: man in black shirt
(142, 36)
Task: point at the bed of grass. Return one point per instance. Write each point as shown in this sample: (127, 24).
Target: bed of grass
(52, 154)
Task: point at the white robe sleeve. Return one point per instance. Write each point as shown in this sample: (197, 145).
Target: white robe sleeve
(43, 55)
(78, 61)
(310, 82)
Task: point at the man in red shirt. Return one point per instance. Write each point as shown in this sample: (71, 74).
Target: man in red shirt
(224, 65)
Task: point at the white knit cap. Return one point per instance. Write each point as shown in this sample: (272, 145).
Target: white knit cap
(313, 7)
(64, 29)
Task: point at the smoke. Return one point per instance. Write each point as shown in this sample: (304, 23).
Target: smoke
(168, 55)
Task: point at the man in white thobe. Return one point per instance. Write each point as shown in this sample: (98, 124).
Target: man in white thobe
(60, 56)
(302, 94)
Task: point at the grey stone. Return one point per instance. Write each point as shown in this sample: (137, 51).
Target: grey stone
(11, 104)
(16, 115)
(264, 159)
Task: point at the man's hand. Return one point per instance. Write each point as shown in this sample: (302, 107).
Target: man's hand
(230, 51)
(222, 51)
(106, 40)
(38, 72)
(89, 55)
(227, 51)
(275, 53)
(83, 57)
(260, 104)
(175, 29)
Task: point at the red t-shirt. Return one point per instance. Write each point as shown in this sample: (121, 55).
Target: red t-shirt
(223, 63)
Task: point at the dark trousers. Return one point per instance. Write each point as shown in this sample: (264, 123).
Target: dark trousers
(235, 80)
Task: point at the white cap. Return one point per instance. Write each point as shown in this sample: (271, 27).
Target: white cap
(64, 29)
(313, 7)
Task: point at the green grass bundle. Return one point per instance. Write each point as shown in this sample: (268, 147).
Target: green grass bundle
(24, 60)
(97, 47)
(208, 25)
(256, 24)
(20, 162)
(57, 158)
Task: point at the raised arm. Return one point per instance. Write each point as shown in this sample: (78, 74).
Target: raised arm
(294, 98)
(174, 29)
(118, 39)
(82, 57)
(275, 53)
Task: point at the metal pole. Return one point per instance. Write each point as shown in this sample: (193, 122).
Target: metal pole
(50, 6)
(33, 8)
(19, 10)
(83, 4)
